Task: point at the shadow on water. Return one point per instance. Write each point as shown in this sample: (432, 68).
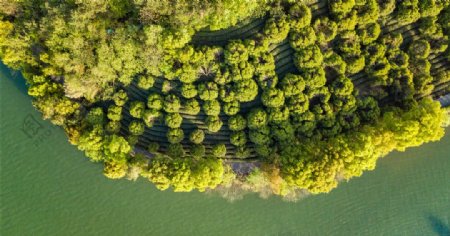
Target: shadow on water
(15, 76)
(439, 226)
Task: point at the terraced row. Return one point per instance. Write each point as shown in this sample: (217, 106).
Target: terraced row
(283, 54)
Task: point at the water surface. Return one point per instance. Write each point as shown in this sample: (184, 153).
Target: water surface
(47, 187)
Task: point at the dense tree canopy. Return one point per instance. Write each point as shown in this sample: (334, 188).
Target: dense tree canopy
(178, 91)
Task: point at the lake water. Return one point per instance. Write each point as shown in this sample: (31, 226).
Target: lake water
(47, 187)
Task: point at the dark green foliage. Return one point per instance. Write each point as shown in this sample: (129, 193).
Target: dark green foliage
(238, 138)
(198, 150)
(257, 118)
(219, 150)
(175, 150)
(153, 147)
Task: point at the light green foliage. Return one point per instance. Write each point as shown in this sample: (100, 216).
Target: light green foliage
(151, 116)
(369, 33)
(325, 29)
(115, 170)
(419, 49)
(136, 127)
(189, 91)
(175, 150)
(408, 11)
(213, 123)
(145, 82)
(368, 11)
(197, 136)
(277, 115)
(313, 167)
(299, 15)
(309, 57)
(335, 61)
(155, 101)
(185, 175)
(237, 123)
(272, 97)
(173, 120)
(115, 113)
(292, 84)
(208, 91)
(120, 98)
(113, 127)
(299, 39)
(246, 90)
(341, 86)
(175, 135)
(137, 109)
(231, 108)
(211, 107)
(276, 29)
(340, 8)
(192, 106)
(84, 61)
(298, 103)
(171, 103)
(386, 7)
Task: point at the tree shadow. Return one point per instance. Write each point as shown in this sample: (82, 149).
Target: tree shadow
(439, 226)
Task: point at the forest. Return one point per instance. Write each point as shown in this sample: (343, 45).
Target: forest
(283, 97)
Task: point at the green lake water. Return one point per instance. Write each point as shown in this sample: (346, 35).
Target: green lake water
(47, 187)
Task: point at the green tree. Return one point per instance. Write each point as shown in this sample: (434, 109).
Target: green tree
(211, 107)
(173, 120)
(136, 127)
(272, 97)
(172, 103)
(175, 135)
(145, 82)
(257, 118)
(238, 138)
(192, 106)
(197, 136)
(155, 101)
(219, 150)
(137, 109)
(213, 123)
